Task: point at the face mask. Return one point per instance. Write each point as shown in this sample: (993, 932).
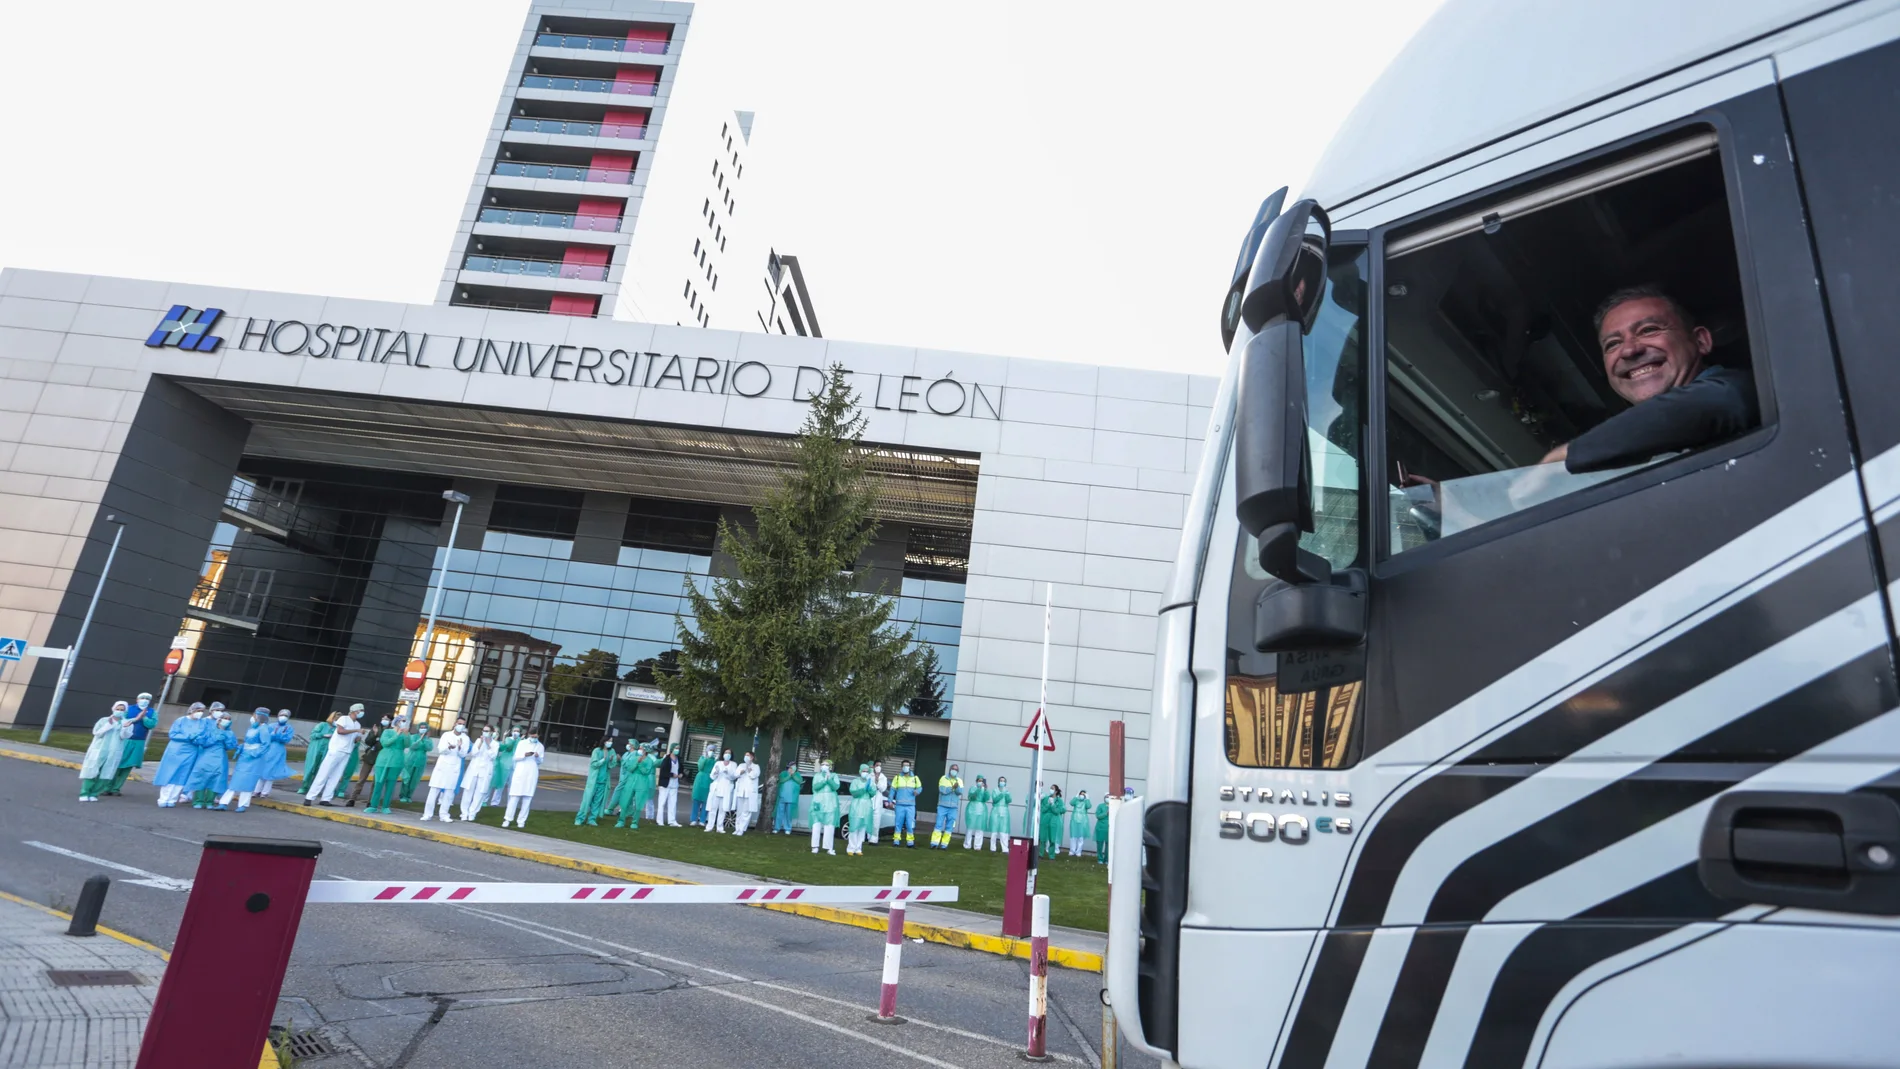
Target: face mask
(197, 714)
(906, 770)
(283, 720)
(145, 703)
(1001, 783)
(953, 770)
(460, 730)
(826, 767)
(385, 721)
(728, 756)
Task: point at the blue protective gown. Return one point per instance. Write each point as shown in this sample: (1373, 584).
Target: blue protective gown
(276, 755)
(209, 771)
(181, 752)
(253, 758)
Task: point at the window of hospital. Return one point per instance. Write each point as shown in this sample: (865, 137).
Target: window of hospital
(1562, 335)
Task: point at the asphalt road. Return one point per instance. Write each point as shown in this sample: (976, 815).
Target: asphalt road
(413, 987)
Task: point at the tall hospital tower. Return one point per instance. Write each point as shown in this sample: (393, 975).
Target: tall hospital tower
(549, 221)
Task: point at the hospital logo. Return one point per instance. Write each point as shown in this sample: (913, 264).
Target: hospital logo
(187, 329)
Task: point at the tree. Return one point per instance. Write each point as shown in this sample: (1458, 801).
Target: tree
(577, 687)
(648, 670)
(788, 642)
(928, 700)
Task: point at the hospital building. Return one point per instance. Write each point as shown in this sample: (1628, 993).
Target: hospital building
(282, 471)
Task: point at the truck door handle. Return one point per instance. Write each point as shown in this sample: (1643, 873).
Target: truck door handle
(1810, 850)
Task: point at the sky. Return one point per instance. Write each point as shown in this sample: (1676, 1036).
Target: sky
(1040, 178)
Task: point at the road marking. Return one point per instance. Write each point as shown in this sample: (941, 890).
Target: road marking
(528, 927)
(146, 879)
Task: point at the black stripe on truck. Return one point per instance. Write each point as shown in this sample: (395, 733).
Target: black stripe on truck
(1842, 699)
(1790, 604)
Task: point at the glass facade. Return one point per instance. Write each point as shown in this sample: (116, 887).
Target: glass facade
(315, 594)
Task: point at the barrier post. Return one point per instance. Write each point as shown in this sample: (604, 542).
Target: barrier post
(1039, 981)
(240, 922)
(1016, 888)
(893, 951)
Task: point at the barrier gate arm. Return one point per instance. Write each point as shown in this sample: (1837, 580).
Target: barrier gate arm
(418, 892)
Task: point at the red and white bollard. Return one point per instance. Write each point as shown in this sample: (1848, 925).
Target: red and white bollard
(893, 950)
(1039, 981)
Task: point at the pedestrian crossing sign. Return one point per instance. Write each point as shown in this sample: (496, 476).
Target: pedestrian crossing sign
(12, 649)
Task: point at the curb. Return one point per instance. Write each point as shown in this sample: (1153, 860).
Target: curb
(942, 935)
(265, 1060)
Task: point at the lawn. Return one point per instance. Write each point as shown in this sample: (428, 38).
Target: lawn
(65, 740)
(79, 741)
(1077, 887)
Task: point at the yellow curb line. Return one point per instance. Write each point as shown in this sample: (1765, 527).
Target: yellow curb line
(266, 1060)
(930, 933)
(40, 759)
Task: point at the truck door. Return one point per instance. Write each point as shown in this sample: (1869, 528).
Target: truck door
(1844, 121)
(1562, 669)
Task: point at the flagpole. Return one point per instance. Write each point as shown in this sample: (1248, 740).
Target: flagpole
(1035, 760)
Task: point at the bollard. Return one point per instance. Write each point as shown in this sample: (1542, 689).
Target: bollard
(893, 951)
(1039, 981)
(92, 899)
(235, 938)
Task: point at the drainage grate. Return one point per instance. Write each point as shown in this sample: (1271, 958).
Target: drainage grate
(94, 978)
(308, 1045)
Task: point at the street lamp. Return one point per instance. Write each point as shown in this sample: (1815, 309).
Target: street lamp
(435, 603)
(66, 666)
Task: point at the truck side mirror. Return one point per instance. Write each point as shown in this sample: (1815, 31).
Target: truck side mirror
(1272, 468)
(1243, 266)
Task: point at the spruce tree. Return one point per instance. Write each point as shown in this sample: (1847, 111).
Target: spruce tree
(788, 643)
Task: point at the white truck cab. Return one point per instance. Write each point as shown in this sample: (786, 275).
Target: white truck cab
(1526, 692)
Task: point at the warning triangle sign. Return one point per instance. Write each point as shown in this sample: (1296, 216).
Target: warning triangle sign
(1038, 735)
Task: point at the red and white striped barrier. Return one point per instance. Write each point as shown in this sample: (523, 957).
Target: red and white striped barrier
(893, 950)
(423, 893)
(1039, 981)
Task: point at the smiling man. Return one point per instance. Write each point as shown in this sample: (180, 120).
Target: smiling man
(1656, 358)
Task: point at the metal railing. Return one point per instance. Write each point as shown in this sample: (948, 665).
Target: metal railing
(601, 44)
(562, 220)
(589, 85)
(563, 172)
(575, 128)
(506, 265)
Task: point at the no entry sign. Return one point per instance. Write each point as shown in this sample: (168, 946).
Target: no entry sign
(412, 675)
(173, 660)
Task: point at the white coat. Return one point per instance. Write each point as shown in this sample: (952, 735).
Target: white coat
(481, 762)
(724, 773)
(527, 771)
(745, 792)
(450, 750)
(108, 745)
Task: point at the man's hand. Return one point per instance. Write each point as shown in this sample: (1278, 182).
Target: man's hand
(1557, 455)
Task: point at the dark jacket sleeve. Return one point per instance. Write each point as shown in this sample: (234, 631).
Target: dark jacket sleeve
(1719, 403)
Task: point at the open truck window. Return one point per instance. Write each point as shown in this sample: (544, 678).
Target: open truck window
(1504, 386)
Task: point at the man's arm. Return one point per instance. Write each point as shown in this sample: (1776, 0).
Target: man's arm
(1720, 403)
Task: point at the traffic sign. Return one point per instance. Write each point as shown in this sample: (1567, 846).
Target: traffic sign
(1038, 735)
(412, 676)
(12, 649)
(172, 660)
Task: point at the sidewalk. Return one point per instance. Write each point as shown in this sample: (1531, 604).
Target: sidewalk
(49, 1025)
(1069, 947)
